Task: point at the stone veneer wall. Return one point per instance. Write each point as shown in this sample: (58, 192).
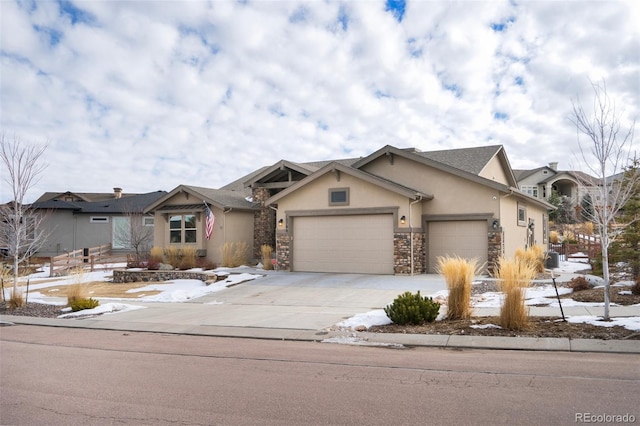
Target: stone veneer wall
(283, 251)
(402, 252)
(495, 250)
(264, 222)
(126, 276)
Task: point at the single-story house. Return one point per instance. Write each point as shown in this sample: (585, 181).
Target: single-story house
(83, 220)
(180, 219)
(392, 212)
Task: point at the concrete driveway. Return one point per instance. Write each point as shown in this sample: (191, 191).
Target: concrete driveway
(283, 300)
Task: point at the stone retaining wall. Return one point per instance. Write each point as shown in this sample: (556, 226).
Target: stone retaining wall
(126, 276)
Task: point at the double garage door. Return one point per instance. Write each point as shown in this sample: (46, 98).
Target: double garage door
(466, 239)
(348, 244)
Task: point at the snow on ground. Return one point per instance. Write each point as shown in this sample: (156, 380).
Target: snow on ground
(631, 323)
(172, 291)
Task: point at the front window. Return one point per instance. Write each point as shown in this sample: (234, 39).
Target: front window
(531, 190)
(339, 197)
(182, 229)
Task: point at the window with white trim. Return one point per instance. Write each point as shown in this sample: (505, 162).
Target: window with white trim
(530, 189)
(147, 221)
(182, 229)
(522, 215)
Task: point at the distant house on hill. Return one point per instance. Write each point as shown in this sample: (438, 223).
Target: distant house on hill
(82, 220)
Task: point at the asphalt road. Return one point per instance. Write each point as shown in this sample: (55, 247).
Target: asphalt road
(57, 376)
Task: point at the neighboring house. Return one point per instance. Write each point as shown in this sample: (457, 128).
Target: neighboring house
(84, 220)
(392, 212)
(180, 219)
(543, 181)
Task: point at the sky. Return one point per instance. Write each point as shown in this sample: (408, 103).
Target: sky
(149, 95)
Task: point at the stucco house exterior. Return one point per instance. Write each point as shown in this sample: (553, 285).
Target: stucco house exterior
(82, 220)
(392, 212)
(180, 219)
(396, 210)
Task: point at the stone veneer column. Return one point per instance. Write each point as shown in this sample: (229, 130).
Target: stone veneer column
(264, 222)
(402, 253)
(283, 251)
(495, 250)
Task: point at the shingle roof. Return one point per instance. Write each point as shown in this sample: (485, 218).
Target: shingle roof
(471, 160)
(225, 197)
(130, 204)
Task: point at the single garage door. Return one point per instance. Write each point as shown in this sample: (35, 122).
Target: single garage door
(349, 244)
(466, 239)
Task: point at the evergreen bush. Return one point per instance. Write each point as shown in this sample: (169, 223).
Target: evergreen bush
(410, 308)
(82, 304)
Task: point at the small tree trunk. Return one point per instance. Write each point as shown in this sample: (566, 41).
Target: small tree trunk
(605, 275)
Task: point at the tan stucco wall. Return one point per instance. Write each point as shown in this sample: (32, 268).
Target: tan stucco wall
(495, 172)
(452, 194)
(516, 237)
(315, 196)
(234, 226)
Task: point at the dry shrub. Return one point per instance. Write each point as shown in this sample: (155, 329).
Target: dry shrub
(16, 299)
(579, 283)
(458, 273)
(534, 255)
(266, 251)
(554, 237)
(569, 236)
(76, 291)
(156, 254)
(187, 258)
(234, 254)
(635, 289)
(588, 228)
(172, 254)
(514, 276)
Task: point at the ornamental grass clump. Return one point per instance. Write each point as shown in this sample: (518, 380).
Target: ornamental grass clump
(458, 274)
(535, 255)
(266, 251)
(414, 309)
(514, 277)
(82, 304)
(187, 258)
(234, 254)
(16, 299)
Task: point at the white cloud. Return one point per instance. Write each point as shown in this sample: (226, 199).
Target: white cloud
(146, 96)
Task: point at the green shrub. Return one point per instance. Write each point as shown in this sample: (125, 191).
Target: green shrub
(82, 304)
(410, 308)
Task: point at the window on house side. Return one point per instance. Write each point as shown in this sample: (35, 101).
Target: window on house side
(99, 219)
(339, 197)
(522, 216)
(148, 221)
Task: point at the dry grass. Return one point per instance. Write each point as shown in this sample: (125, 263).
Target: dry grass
(156, 254)
(458, 274)
(187, 258)
(234, 254)
(554, 237)
(172, 254)
(514, 276)
(16, 299)
(266, 251)
(588, 228)
(102, 289)
(534, 255)
(75, 292)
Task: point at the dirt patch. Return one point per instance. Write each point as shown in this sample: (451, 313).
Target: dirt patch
(538, 327)
(597, 295)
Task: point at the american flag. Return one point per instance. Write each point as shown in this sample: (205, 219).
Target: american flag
(210, 220)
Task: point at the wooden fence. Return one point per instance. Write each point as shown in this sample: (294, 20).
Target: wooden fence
(584, 247)
(87, 258)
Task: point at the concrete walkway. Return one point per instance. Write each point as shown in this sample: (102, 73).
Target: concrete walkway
(306, 306)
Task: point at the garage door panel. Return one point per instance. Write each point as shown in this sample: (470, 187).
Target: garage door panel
(351, 244)
(466, 239)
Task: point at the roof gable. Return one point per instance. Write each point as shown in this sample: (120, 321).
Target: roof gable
(336, 167)
(221, 198)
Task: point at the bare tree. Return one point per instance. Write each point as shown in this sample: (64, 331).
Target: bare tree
(134, 232)
(20, 226)
(612, 151)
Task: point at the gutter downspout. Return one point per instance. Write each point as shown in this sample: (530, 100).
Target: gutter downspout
(411, 231)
